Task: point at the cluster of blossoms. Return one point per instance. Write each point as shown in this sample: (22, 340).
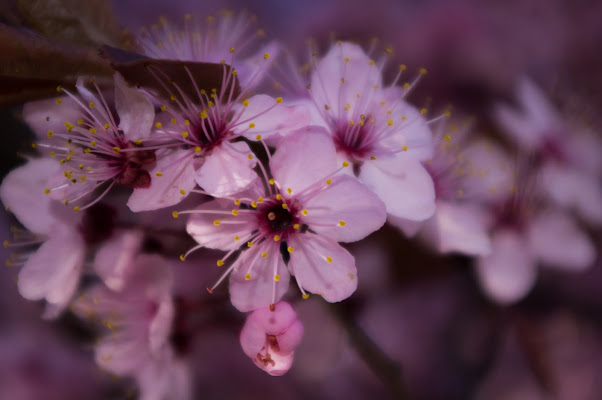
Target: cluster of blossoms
(275, 184)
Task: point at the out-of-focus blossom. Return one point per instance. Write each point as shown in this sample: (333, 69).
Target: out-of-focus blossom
(211, 40)
(95, 149)
(270, 337)
(305, 211)
(139, 320)
(569, 154)
(52, 272)
(374, 129)
(468, 177)
(524, 237)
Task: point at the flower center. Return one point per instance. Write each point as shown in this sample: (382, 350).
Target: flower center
(353, 140)
(278, 218)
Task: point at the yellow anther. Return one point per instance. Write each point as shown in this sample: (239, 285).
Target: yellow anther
(76, 208)
(203, 114)
(220, 263)
(341, 223)
(289, 190)
(197, 149)
(326, 107)
(342, 80)
(260, 199)
(423, 111)
(371, 62)
(231, 49)
(276, 238)
(248, 276)
(245, 102)
(264, 254)
(235, 212)
(405, 148)
(172, 98)
(159, 174)
(237, 202)
(271, 181)
(284, 206)
(290, 249)
(351, 123)
(345, 164)
(46, 191)
(236, 238)
(423, 71)
(106, 126)
(258, 137)
(279, 100)
(174, 214)
(138, 142)
(163, 107)
(185, 134)
(182, 258)
(58, 89)
(328, 181)
(254, 204)
(296, 226)
(305, 296)
(346, 59)
(159, 125)
(329, 259)
(447, 138)
(81, 166)
(173, 120)
(388, 50)
(447, 113)
(93, 143)
(216, 222)
(276, 278)
(278, 196)
(6, 243)
(87, 150)
(58, 101)
(52, 154)
(390, 122)
(304, 212)
(373, 158)
(92, 130)
(186, 122)
(406, 86)
(116, 149)
(49, 134)
(404, 118)
(266, 56)
(92, 104)
(252, 125)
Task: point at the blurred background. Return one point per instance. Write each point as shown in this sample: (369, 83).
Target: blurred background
(418, 327)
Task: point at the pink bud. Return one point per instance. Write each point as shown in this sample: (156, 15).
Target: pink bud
(270, 337)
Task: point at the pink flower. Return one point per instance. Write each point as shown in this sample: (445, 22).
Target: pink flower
(302, 215)
(210, 40)
(198, 141)
(569, 154)
(138, 318)
(468, 178)
(52, 272)
(525, 237)
(374, 129)
(94, 149)
(270, 337)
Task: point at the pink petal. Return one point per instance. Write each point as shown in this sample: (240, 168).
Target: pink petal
(403, 185)
(53, 271)
(22, 191)
(227, 170)
(252, 336)
(159, 330)
(46, 115)
(290, 339)
(412, 132)
(408, 227)
(274, 322)
(114, 259)
(347, 200)
(571, 188)
(135, 109)
(462, 228)
(537, 106)
(202, 227)
(165, 377)
(177, 173)
(258, 292)
(252, 70)
(303, 158)
(335, 280)
(509, 272)
(358, 74)
(558, 242)
(279, 120)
